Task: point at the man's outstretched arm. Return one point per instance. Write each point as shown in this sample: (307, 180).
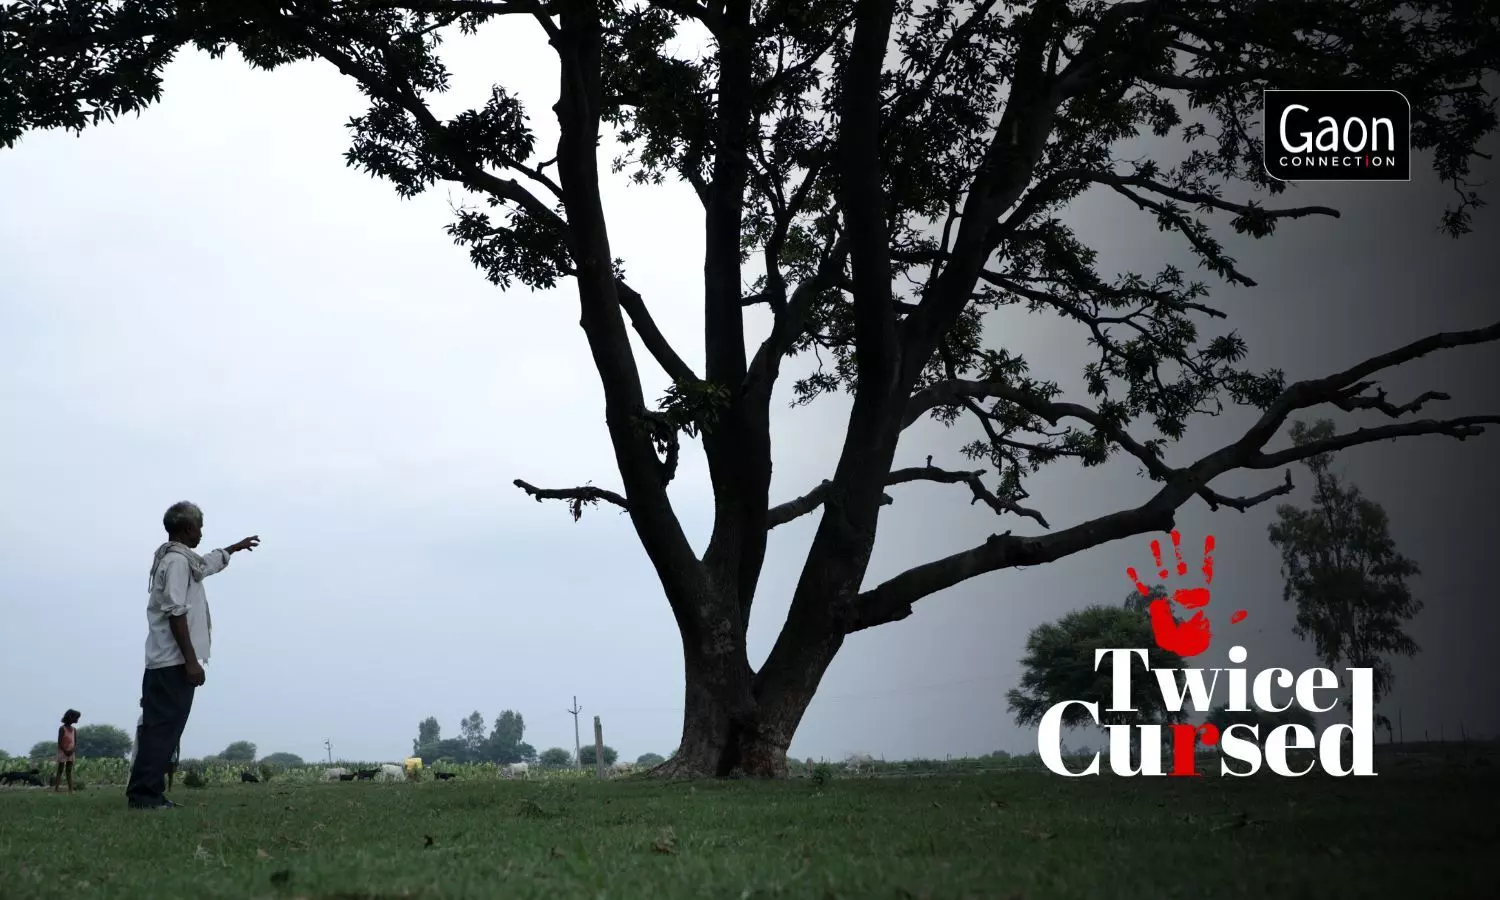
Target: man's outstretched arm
(215, 560)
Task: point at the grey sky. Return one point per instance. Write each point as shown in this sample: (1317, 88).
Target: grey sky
(204, 303)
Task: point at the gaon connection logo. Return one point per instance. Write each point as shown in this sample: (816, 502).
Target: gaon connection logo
(1337, 136)
(1194, 690)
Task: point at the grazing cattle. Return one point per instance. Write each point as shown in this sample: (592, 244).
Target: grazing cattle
(443, 776)
(858, 761)
(390, 772)
(336, 774)
(10, 778)
(622, 768)
(249, 778)
(516, 769)
(347, 776)
(366, 774)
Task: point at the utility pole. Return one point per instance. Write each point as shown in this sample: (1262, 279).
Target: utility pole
(577, 744)
(598, 749)
(328, 745)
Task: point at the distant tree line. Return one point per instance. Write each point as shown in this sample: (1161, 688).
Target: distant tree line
(113, 742)
(501, 744)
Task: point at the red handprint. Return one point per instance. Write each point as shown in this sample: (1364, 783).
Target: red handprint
(1193, 636)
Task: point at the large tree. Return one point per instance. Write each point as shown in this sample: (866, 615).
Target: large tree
(1059, 665)
(429, 732)
(555, 758)
(586, 755)
(881, 175)
(239, 751)
(102, 741)
(1343, 572)
(91, 741)
(471, 732)
(505, 744)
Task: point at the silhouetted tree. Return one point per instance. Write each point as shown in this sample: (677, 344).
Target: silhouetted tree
(454, 750)
(429, 732)
(1059, 665)
(647, 760)
(101, 742)
(555, 758)
(237, 752)
(505, 744)
(1343, 571)
(43, 750)
(883, 174)
(471, 732)
(282, 760)
(586, 755)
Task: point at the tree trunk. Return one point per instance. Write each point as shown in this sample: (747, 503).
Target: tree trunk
(720, 741)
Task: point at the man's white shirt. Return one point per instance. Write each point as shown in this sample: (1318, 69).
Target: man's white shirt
(174, 593)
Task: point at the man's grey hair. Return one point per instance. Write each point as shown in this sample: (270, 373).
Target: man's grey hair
(181, 515)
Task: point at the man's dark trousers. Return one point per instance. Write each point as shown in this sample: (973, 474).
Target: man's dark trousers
(166, 700)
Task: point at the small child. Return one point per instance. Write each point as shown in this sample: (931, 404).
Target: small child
(67, 744)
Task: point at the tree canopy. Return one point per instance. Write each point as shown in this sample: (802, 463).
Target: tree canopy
(586, 755)
(239, 751)
(555, 758)
(1343, 572)
(502, 745)
(876, 178)
(1059, 666)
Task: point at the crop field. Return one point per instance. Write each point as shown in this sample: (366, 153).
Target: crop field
(1424, 828)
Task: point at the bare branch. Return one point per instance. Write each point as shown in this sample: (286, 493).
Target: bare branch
(982, 494)
(1459, 429)
(792, 509)
(577, 497)
(796, 509)
(655, 342)
(1199, 198)
(1352, 400)
(893, 600)
(1216, 499)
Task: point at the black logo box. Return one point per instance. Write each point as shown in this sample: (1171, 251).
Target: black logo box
(1327, 119)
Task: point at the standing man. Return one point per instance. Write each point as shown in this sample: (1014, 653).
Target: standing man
(177, 645)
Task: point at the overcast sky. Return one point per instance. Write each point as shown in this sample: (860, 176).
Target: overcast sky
(204, 303)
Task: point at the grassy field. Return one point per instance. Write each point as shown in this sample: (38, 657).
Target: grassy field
(1416, 831)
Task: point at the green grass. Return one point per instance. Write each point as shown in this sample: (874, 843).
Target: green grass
(1413, 832)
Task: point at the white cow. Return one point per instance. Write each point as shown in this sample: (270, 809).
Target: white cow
(623, 768)
(390, 772)
(859, 761)
(520, 769)
(333, 774)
